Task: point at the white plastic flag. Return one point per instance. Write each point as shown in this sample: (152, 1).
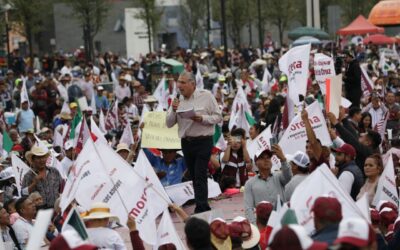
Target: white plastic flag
(96, 131)
(65, 108)
(166, 233)
(38, 232)
(387, 189)
(294, 64)
(24, 93)
(333, 94)
(199, 79)
(324, 68)
(20, 169)
(102, 123)
(127, 136)
(321, 182)
(93, 104)
(295, 137)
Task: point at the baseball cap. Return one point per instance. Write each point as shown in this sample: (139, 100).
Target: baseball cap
(283, 78)
(240, 228)
(73, 105)
(264, 209)
(375, 218)
(220, 234)
(265, 152)
(327, 208)
(387, 216)
(300, 159)
(100, 88)
(356, 232)
(346, 149)
(384, 203)
(295, 237)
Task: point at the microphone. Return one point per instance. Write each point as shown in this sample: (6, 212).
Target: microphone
(178, 95)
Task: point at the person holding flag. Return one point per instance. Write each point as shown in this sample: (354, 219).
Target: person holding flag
(196, 133)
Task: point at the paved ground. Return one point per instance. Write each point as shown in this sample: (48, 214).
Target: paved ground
(226, 208)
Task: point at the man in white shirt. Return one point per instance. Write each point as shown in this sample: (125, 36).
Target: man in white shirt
(97, 222)
(24, 224)
(67, 161)
(123, 90)
(63, 86)
(350, 175)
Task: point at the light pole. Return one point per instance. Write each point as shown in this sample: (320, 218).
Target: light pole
(260, 31)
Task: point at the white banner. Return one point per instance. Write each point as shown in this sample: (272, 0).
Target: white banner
(295, 136)
(166, 233)
(182, 192)
(387, 189)
(321, 182)
(101, 175)
(20, 169)
(334, 94)
(324, 67)
(294, 64)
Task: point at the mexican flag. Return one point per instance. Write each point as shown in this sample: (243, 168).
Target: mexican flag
(241, 116)
(74, 230)
(75, 125)
(5, 142)
(218, 139)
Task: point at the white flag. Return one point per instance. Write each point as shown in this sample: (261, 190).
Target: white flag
(295, 136)
(37, 125)
(199, 79)
(127, 136)
(101, 175)
(58, 139)
(96, 131)
(24, 93)
(363, 205)
(93, 104)
(260, 143)
(321, 182)
(166, 233)
(65, 108)
(294, 64)
(387, 189)
(145, 109)
(20, 169)
(266, 81)
(162, 93)
(102, 123)
(334, 94)
(182, 192)
(324, 67)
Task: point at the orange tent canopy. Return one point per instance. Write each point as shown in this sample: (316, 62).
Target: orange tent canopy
(385, 13)
(360, 26)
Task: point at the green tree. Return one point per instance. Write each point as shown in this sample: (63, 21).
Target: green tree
(28, 14)
(236, 15)
(151, 15)
(353, 8)
(192, 18)
(280, 13)
(91, 15)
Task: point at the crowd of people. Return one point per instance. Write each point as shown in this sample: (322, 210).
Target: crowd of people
(40, 105)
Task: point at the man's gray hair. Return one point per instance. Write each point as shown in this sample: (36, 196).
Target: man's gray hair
(189, 75)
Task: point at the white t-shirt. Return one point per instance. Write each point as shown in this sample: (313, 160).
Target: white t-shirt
(106, 238)
(346, 180)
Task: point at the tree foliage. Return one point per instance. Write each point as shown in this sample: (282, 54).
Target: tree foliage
(193, 15)
(29, 15)
(91, 15)
(151, 14)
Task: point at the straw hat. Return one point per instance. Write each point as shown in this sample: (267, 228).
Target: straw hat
(36, 151)
(100, 210)
(65, 116)
(150, 99)
(122, 146)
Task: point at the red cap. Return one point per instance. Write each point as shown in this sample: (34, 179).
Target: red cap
(168, 246)
(327, 208)
(346, 149)
(59, 243)
(375, 218)
(219, 228)
(294, 237)
(264, 209)
(17, 147)
(240, 229)
(387, 216)
(382, 204)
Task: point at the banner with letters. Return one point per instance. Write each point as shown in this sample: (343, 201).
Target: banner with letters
(295, 136)
(324, 68)
(156, 134)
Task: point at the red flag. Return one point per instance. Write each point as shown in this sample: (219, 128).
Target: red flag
(380, 126)
(84, 135)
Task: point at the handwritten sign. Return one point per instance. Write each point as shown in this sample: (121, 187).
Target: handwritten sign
(157, 135)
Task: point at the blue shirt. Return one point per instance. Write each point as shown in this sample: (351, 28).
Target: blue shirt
(101, 102)
(25, 120)
(174, 170)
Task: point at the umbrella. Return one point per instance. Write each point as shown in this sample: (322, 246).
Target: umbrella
(379, 39)
(307, 31)
(305, 40)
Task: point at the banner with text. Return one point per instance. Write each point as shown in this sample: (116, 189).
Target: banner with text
(157, 135)
(324, 67)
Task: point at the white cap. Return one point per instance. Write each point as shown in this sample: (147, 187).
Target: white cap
(353, 231)
(128, 77)
(300, 159)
